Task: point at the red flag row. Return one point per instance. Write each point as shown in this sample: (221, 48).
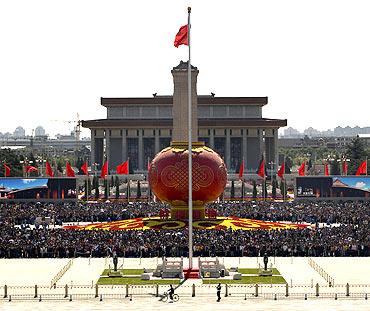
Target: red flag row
(362, 169)
(124, 169)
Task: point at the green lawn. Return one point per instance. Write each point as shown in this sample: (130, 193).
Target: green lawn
(255, 271)
(135, 281)
(249, 280)
(126, 271)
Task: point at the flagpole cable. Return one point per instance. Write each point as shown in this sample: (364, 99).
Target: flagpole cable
(190, 189)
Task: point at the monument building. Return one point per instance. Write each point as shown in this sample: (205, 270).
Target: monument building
(138, 128)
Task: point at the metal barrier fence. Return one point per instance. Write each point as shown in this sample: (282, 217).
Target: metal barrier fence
(321, 271)
(59, 275)
(238, 291)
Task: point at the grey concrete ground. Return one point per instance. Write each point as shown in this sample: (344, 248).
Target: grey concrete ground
(189, 304)
(20, 276)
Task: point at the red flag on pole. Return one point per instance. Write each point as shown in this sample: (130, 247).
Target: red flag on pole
(181, 36)
(148, 164)
(241, 170)
(104, 170)
(69, 171)
(122, 168)
(281, 171)
(344, 167)
(49, 170)
(261, 169)
(362, 169)
(30, 169)
(301, 170)
(326, 169)
(85, 169)
(6, 170)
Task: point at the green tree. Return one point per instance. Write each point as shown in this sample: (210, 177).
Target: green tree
(149, 193)
(335, 167)
(31, 159)
(138, 190)
(128, 190)
(11, 159)
(254, 192)
(288, 165)
(282, 188)
(111, 181)
(79, 163)
(86, 187)
(96, 187)
(243, 190)
(274, 182)
(89, 186)
(60, 164)
(32, 162)
(106, 188)
(356, 153)
(264, 188)
(232, 190)
(117, 187)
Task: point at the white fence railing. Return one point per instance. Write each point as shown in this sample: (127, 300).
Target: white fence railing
(59, 275)
(237, 291)
(321, 271)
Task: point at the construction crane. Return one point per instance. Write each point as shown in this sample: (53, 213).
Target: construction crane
(77, 129)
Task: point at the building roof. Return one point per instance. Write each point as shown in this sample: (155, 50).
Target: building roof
(184, 66)
(214, 122)
(167, 100)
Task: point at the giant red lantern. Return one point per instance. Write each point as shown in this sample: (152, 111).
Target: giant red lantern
(168, 178)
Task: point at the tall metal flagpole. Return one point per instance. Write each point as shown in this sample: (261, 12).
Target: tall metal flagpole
(190, 203)
(283, 181)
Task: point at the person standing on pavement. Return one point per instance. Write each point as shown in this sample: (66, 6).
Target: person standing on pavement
(171, 291)
(218, 288)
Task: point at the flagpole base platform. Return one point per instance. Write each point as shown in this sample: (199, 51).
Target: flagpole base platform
(182, 212)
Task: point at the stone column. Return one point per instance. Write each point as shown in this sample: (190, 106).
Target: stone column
(124, 145)
(92, 160)
(107, 148)
(212, 138)
(156, 141)
(262, 144)
(141, 150)
(180, 102)
(227, 148)
(276, 151)
(244, 148)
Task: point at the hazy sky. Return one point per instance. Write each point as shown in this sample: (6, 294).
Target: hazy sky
(57, 58)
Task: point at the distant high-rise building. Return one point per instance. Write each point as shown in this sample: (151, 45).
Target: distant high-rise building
(19, 132)
(311, 132)
(291, 132)
(39, 131)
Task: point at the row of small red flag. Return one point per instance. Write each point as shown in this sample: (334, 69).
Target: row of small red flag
(362, 169)
(120, 169)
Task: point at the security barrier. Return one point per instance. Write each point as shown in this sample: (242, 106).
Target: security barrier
(59, 275)
(234, 291)
(321, 271)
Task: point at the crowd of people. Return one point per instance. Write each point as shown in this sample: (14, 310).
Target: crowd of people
(344, 230)
(58, 213)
